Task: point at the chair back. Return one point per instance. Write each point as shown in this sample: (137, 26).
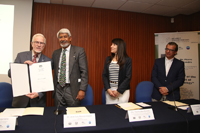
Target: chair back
(6, 95)
(103, 96)
(143, 92)
(88, 100)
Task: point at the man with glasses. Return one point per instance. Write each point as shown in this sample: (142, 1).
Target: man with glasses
(33, 99)
(168, 75)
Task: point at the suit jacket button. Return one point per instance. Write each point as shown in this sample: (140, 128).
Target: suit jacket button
(165, 80)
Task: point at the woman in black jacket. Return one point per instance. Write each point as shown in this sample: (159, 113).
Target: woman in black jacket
(117, 73)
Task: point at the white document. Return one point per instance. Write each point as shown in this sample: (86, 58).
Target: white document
(7, 123)
(140, 115)
(20, 79)
(15, 112)
(129, 106)
(143, 104)
(79, 120)
(12, 112)
(195, 109)
(40, 77)
(184, 107)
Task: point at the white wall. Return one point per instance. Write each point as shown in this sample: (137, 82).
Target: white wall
(21, 31)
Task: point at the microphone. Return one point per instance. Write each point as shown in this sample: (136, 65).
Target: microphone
(57, 111)
(173, 107)
(176, 109)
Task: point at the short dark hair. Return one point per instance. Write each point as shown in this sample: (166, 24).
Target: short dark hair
(173, 43)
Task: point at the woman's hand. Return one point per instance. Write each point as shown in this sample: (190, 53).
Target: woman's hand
(110, 92)
(116, 93)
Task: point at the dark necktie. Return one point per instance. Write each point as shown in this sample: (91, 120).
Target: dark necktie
(62, 78)
(34, 59)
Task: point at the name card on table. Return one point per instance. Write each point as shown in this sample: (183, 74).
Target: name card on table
(7, 123)
(79, 120)
(140, 115)
(195, 109)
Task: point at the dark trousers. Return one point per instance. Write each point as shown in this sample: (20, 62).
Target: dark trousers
(63, 96)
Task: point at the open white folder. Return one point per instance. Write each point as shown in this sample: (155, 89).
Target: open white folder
(31, 78)
(15, 112)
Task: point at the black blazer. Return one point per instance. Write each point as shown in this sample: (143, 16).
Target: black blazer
(124, 78)
(174, 79)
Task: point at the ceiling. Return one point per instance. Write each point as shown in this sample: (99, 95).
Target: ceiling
(157, 7)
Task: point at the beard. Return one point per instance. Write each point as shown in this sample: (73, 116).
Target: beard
(64, 44)
(38, 52)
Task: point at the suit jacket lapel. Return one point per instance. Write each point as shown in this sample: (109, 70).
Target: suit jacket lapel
(72, 59)
(163, 66)
(41, 58)
(57, 59)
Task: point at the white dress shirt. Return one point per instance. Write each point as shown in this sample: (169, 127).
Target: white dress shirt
(168, 63)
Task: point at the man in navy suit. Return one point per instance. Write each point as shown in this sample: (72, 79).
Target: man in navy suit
(168, 75)
(33, 99)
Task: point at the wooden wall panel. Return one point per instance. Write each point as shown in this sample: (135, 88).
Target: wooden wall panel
(93, 29)
(186, 23)
(194, 22)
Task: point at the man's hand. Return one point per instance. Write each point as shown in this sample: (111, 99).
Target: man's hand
(81, 95)
(163, 91)
(32, 95)
(28, 62)
(165, 94)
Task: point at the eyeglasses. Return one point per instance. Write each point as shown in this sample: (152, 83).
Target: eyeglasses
(171, 50)
(36, 42)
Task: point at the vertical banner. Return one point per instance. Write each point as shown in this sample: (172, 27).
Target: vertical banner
(188, 53)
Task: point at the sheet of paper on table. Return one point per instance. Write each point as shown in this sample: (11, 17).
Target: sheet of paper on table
(177, 103)
(143, 104)
(12, 112)
(129, 106)
(77, 110)
(34, 111)
(184, 107)
(15, 112)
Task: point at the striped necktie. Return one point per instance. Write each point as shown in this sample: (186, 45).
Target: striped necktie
(62, 78)
(34, 59)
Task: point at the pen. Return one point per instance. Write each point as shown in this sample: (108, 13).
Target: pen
(118, 106)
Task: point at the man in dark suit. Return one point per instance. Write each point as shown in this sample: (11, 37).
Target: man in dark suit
(33, 99)
(168, 75)
(70, 71)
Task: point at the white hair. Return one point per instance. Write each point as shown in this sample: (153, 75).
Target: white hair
(38, 34)
(63, 30)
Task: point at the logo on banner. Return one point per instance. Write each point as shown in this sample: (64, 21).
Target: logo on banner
(188, 47)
